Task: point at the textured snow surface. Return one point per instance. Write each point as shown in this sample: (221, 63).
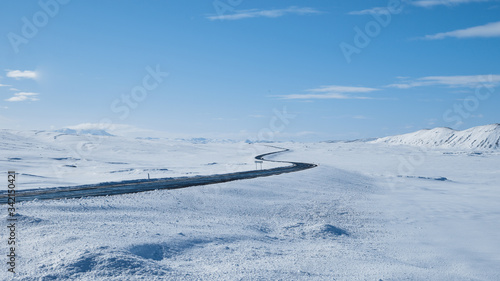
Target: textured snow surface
(481, 138)
(368, 212)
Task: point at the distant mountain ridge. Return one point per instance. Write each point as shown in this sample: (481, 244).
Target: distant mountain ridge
(485, 137)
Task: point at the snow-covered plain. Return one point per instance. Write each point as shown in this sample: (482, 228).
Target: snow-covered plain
(53, 159)
(369, 211)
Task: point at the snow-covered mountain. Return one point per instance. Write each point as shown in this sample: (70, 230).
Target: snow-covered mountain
(482, 137)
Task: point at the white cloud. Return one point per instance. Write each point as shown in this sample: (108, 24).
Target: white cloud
(471, 81)
(403, 85)
(484, 31)
(375, 10)
(3, 85)
(23, 96)
(100, 126)
(254, 13)
(463, 81)
(343, 89)
(331, 92)
(18, 74)
(321, 96)
(432, 3)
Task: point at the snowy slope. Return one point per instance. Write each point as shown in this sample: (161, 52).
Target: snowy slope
(482, 138)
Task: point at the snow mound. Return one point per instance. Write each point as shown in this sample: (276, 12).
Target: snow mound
(315, 231)
(482, 137)
(162, 251)
(25, 220)
(328, 230)
(106, 264)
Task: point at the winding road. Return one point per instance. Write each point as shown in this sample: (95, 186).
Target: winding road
(124, 187)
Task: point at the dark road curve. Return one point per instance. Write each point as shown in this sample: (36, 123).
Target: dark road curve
(135, 186)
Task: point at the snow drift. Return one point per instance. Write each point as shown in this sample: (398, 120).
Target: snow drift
(482, 138)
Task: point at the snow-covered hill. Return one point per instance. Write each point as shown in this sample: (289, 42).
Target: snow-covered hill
(481, 138)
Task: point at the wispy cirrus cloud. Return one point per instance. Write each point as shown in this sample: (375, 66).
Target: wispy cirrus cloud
(332, 92)
(432, 3)
(20, 74)
(374, 10)
(484, 31)
(343, 89)
(335, 96)
(274, 13)
(23, 96)
(464, 81)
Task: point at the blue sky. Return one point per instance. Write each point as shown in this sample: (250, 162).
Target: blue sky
(275, 70)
